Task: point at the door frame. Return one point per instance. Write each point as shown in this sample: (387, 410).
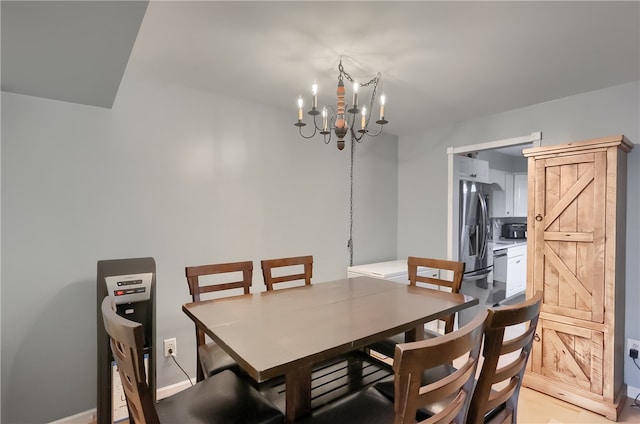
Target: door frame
(453, 198)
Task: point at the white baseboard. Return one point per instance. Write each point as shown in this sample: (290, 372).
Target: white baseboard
(632, 392)
(167, 391)
(89, 416)
(86, 417)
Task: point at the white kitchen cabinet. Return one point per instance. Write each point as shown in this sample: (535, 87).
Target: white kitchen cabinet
(510, 199)
(497, 176)
(502, 197)
(516, 270)
(520, 195)
(471, 169)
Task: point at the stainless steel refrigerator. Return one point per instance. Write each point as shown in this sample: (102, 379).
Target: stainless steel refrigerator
(475, 232)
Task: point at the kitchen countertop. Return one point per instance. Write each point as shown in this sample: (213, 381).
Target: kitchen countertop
(504, 243)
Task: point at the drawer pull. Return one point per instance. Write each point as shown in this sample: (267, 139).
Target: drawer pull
(538, 217)
(536, 337)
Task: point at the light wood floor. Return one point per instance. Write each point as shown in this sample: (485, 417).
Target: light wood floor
(538, 408)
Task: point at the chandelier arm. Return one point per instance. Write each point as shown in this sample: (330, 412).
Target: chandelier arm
(354, 133)
(375, 134)
(351, 125)
(373, 98)
(315, 124)
(307, 137)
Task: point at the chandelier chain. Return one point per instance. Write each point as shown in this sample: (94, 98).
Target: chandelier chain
(350, 244)
(348, 76)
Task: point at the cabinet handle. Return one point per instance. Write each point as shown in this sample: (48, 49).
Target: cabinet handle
(536, 337)
(538, 217)
(473, 175)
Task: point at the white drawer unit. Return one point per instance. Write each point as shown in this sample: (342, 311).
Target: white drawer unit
(390, 270)
(500, 261)
(516, 270)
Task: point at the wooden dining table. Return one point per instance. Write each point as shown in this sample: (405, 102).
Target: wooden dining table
(287, 331)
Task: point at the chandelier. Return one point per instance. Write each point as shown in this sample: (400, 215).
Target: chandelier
(336, 120)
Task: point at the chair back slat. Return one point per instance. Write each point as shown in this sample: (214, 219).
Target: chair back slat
(448, 385)
(497, 398)
(457, 268)
(268, 265)
(225, 286)
(518, 342)
(497, 386)
(127, 344)
(510, 369)
(450, 412)
(411, 359)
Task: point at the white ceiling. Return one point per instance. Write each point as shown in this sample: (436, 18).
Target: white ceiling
(440, 61)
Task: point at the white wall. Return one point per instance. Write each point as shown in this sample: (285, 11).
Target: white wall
(183, 176)
(422, 173)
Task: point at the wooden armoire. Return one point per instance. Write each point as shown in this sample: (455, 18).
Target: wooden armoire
(576, 257)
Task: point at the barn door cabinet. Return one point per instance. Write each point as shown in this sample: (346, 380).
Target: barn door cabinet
(576, 257)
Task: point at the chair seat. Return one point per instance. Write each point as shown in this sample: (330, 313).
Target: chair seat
(387, 346)
(223, 398)
(214, 360)
(366, 406)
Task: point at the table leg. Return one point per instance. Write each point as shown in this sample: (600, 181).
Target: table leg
(414, 335)
(354, 372)
(298, 393)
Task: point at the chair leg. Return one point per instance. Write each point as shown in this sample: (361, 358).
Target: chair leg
(199, 372)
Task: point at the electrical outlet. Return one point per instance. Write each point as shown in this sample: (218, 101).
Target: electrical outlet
(632, 344)
(170, 344)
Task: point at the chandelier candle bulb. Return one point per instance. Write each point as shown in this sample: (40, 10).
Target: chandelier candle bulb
(314, 100)
(300, 108)
(324, 119)
(355, 95)
(382, 99)
(364, 117)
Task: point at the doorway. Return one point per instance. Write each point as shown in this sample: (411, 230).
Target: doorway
(511, 146)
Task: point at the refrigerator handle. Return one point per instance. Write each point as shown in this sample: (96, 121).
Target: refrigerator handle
(485, 226)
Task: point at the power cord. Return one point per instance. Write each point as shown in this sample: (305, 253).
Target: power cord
(173, 356)
(635, 403)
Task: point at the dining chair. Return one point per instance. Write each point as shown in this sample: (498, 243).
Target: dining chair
(412, 398)
(268, 265)
(210, 358)
(453, 268)
(508, 339)
(224, 398)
